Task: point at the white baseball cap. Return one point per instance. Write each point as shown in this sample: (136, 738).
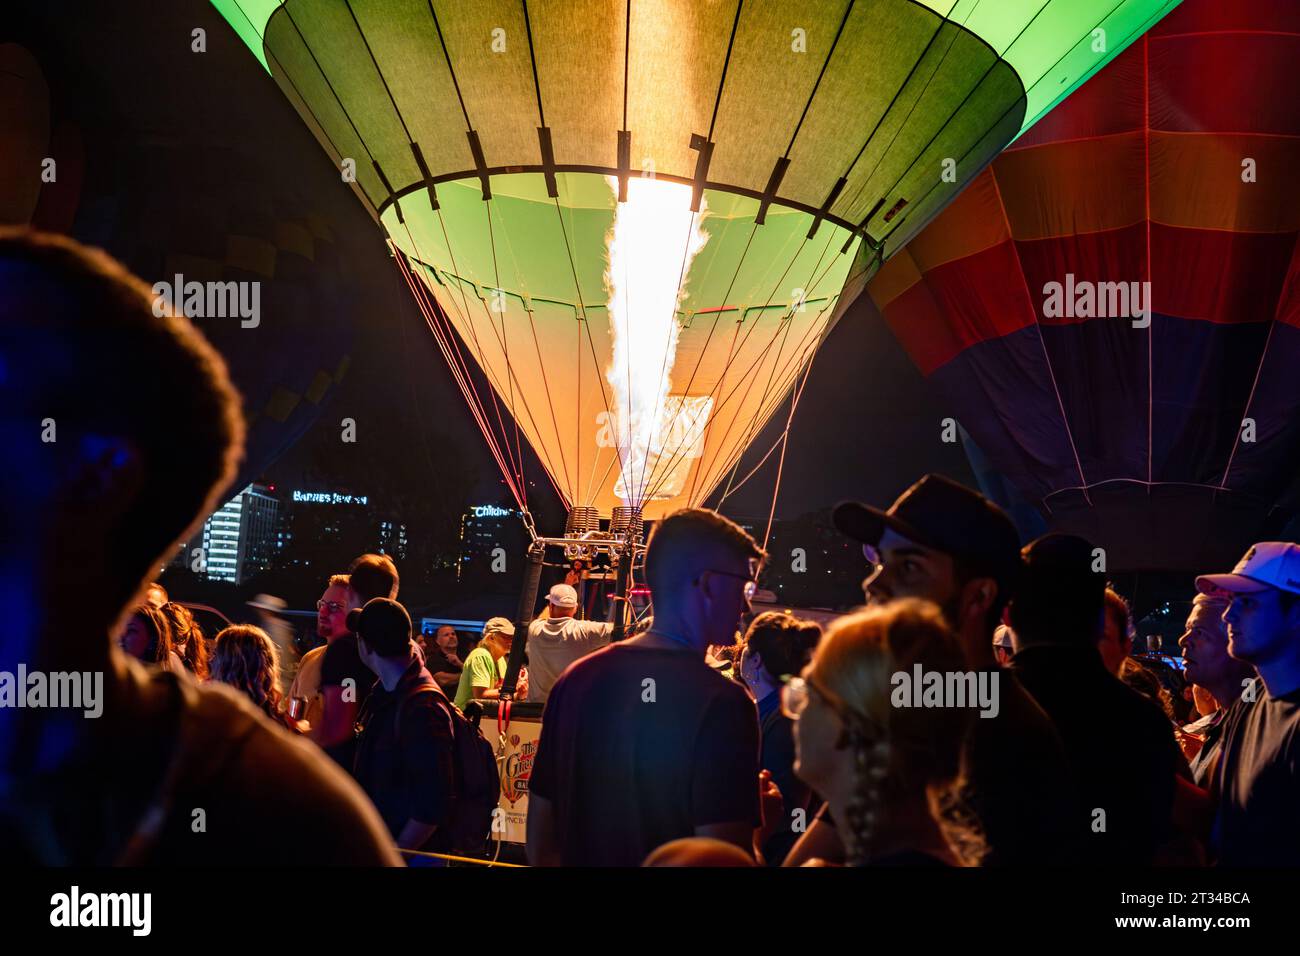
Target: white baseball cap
(1269, 564)
(563, 595)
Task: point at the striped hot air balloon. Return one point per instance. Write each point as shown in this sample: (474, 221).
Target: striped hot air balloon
(1169, 437)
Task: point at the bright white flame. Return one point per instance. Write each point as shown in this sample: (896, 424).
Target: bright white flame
(651, 246)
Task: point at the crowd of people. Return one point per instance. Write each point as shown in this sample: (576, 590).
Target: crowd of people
(692, 742)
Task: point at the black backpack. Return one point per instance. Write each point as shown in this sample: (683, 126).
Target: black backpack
(477, 778)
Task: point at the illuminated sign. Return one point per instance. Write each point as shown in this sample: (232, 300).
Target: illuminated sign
(490, 511)
(330, 498)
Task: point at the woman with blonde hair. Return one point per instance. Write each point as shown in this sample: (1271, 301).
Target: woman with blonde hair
(246, 658)
(884, 770)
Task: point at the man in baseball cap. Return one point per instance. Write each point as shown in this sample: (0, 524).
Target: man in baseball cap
(563, 597)
(558, 639)
(1256, 779)
(945, 543)
(1269, 564)
(942, 542)
(405, 749)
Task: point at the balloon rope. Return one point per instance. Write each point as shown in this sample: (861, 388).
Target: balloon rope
(498, 299)
(808, 353)
(759, 419)
(1047, 358)
(448, 340)
(518, 457)
(466, 387)
(517, 468)
(732, 354)
(756, 422)
(570, 484)
(717, 316)
(780, 467)
(585, 321)
(517, 463)
(1151, 326)
(515, 471)
(746, 380)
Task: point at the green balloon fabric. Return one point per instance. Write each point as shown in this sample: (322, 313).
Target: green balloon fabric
(495, 142)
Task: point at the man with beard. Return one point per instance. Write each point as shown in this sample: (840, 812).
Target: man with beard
(442, 659)
(944, 543)
(331, 624)
(332, 679)
(345, 680)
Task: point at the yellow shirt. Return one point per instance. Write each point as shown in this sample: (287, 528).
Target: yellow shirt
(306, 682)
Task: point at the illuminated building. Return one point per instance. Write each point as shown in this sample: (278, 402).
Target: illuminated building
(483, 530)
(238, 540)
(328, 529)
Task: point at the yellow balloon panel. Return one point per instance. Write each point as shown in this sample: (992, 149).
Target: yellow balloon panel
(637, 372)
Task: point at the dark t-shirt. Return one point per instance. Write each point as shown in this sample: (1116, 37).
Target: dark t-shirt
(640, 746)
(1258, 782)
(1017, 782)
(222, 785)
(1120, 748)
(342, 661)
(405, 766)
(436, 662)
(776, 755)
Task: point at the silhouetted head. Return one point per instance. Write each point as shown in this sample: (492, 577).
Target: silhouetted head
(1060, 598)
(102, 392)
(372, 576)
(701, 569)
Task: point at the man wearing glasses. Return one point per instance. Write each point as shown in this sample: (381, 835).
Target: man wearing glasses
(333, 680)
(642, 742)
(331, 624)
(942, 542)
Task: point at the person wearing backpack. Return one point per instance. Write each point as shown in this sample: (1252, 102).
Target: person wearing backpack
(406, 749)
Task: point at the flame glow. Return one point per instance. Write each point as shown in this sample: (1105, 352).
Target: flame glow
(654, 239)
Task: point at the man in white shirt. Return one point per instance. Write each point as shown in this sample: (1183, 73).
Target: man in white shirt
(556, 641)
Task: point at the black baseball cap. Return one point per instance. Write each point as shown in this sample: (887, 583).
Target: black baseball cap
(383, 624)
(939, 513)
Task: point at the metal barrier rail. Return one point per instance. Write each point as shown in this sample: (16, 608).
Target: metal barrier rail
(461, 859)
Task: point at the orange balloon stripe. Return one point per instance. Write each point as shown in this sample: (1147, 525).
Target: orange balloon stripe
(958, 307)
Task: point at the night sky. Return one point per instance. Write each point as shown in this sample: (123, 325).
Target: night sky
(867, 425)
